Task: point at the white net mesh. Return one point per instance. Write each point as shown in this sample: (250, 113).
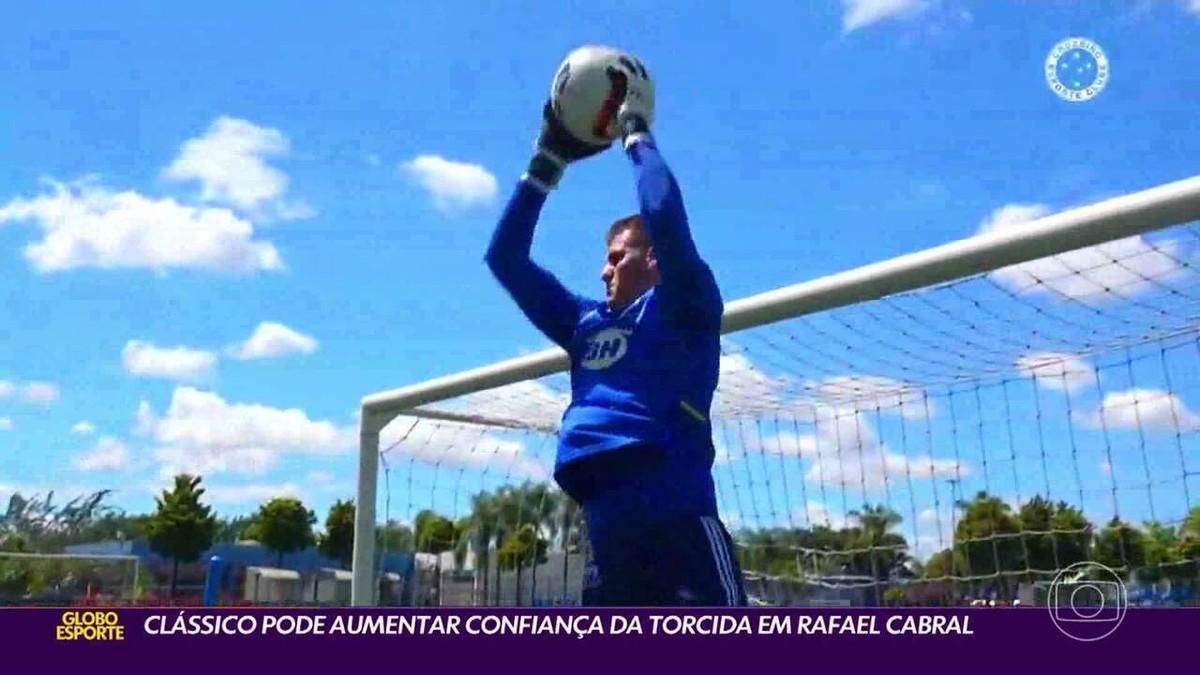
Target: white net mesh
(955, 441)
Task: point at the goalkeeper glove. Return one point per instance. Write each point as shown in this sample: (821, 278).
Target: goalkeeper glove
(554, 150)
(636, 113)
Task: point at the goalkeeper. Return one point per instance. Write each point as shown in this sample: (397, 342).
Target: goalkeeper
(635, 447)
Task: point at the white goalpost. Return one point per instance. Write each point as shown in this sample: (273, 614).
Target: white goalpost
(1051, 359)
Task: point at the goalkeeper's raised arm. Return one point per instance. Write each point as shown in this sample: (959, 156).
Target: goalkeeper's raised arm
(551, 307)
(687, 288)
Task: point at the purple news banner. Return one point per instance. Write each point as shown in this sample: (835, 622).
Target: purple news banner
(576, 641)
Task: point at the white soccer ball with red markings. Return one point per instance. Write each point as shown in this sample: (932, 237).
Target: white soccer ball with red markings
(589, 87)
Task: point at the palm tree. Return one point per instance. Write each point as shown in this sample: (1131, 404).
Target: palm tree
(483, 526)
(499, 515)
(573, 531)
(987, 534)
(875, 535)
(884, 549)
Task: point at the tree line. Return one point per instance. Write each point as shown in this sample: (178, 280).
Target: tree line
(993, 544)
(520, 522)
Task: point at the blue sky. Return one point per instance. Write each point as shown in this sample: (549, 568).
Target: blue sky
(221, 226)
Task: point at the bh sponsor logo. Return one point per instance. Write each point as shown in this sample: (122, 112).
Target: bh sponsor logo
(605, 348)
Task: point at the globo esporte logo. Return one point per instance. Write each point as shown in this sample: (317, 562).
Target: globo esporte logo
(1087, 601)
(89, 626)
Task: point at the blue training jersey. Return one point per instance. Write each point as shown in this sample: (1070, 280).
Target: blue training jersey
(641, 375)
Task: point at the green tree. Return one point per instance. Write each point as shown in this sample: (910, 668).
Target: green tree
(46, 526)
(522, 548)
(435, 533)
(1188, 545)
(1054, 535)
(181, 527)
(878, 550)
(394, 537)
(1190, 528)
(482, 526)
(986, 536)
(284, 525)
(940, 564)
(1163, 554)
(496, 516)
(1120, 545)
(235, 529)
(14, 574)
(112, 525)
(337, 541)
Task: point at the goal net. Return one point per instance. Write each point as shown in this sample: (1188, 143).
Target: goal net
(63, 579)
(963, 422)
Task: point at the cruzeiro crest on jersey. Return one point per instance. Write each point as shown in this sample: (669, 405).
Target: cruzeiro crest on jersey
(605, 348)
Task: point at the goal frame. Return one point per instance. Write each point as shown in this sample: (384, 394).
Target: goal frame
(102, 557)
(1132, 214)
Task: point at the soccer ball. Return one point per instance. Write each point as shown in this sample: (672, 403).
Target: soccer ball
(587, 91)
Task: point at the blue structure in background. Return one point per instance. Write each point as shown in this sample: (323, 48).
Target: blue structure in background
(212, 582)
(307, 561)
(225, 577)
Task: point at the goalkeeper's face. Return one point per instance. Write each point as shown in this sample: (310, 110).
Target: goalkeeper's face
(629, 269)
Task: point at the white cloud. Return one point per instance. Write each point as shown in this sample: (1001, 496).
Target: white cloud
(815, 514)
(1057, 371)
(454, 186)
(461, 445)
(273, 340)
(933, 531)
(6, 424)
(321, 478)
(721, 452)
(843, 450)
(171, 363)
(109, 454)
(1121, 268)
(230, 162)
(87, 225)
(41, 393)
(251, 493)
(927, 516)
(745, 391)
(1192, 6)
(529, 402)
(868, 392)
(83, 428)
(1146, 409)
(202, 433)
(858, 14)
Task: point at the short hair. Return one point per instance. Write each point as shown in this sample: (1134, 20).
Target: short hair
(633, 224)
